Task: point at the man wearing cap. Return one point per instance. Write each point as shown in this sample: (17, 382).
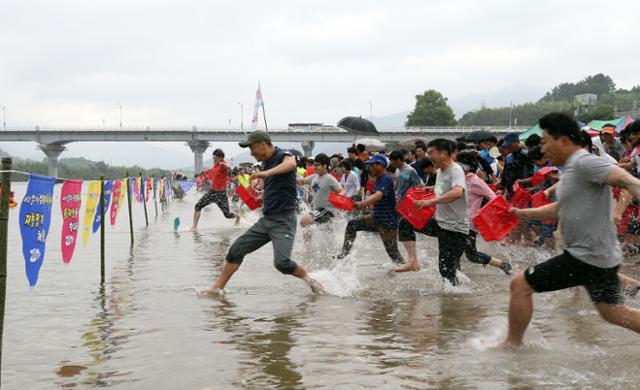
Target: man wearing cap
(384, 219)
(612, 146)
(278, 223)
(517, 164)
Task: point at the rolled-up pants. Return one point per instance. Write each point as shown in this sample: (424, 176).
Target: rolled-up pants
(279, 229)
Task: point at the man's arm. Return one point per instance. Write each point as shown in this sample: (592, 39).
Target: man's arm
(618, 177)
(288, 164)
(543, 213)
(373, 199)
(450, 196)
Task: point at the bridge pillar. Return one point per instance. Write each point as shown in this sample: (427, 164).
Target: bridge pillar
(52, 151)
(307, 148)
(198, 148)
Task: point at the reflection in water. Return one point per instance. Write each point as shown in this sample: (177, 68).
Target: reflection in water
(267, 341)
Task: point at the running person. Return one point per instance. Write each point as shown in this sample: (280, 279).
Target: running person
(477, 192)
(218, 192)
(278, 223)
(450, 223)
(384, 219)
(322, 184)
(584, 208)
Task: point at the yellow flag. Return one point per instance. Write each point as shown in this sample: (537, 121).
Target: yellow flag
(91, 205)
(123, 194)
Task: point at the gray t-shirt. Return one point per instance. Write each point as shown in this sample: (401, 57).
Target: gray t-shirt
(585, 208)
(321, 186)
(452, 216)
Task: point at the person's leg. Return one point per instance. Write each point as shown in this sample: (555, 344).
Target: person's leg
(621, 315)
(474, 256)
(353, 227)
(254, 238)
(282, 231)
(389, 239)
(206, 200)
(407, 236)
(451, 245)
(520, 310)
(221, 199)
(557, 273)
(630, 285)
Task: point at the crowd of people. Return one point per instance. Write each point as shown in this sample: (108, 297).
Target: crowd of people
(587, 183)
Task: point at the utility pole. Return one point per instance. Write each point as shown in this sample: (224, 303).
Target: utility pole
(120, 107)
(510, 109)
(241, 116)
(4, 118)
(370, 111)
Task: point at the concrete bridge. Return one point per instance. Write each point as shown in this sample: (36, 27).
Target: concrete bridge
(52, 140)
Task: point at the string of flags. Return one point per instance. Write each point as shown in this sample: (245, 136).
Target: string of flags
(36, 208)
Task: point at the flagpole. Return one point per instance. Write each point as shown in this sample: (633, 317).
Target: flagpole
(264, 115)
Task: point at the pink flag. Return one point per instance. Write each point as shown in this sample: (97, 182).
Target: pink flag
(115, 201)
(256, 108)
(136, 188)
(70, 201)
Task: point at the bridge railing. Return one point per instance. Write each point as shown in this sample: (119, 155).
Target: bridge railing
(315, 129)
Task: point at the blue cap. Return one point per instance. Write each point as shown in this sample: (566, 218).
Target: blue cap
(378, 158)
(510, 139)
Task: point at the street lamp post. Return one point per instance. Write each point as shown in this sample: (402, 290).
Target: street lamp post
(4, 117)
(370, 111)
(120, 107)
(510, 108)
(241, 116)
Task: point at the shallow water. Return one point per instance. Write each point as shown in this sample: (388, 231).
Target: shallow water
(148, 328)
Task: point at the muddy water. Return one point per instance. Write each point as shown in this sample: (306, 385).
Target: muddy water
(148, 328)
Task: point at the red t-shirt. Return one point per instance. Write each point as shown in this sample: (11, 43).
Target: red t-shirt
(218, 177)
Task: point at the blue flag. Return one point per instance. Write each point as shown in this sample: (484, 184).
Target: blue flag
(186, 184)
(35, 219)
(108, 185)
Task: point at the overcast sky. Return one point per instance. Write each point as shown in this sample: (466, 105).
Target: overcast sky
(192, 62)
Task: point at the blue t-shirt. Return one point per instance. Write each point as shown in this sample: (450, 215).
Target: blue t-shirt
(279, 190)
(384, 212)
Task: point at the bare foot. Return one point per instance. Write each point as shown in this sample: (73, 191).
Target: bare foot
(314, 285)
(194, 228)
(409, 267)
(237, 223)
(505, 345)
(212, 292)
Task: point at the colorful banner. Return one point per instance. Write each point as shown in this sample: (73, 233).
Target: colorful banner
(91, 205)
(186, 185)
(136, 188)
(143, 197)
(35, 213)
(108, 185)
(149, 188)
(117, 199)
(70, 202)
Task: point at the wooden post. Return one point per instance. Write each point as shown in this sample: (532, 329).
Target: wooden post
(4, 222)
(129, 205)
(155, 201)
(143, 192)
(102, 218)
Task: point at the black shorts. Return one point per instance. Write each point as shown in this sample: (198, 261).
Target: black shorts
(322, 216)
(566, 271)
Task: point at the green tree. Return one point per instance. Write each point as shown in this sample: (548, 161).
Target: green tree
(598, 84)
(526, 114)
(597, 113)
(431, 110)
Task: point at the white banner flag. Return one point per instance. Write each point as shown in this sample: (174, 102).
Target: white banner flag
(256, 108)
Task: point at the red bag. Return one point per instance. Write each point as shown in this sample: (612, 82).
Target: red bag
(538, 200)
(494, 221)
(340, 201)
(248, 196)
(520, 199)
(417, 218)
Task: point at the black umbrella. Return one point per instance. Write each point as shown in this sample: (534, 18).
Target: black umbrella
(477, 136)
(358, 125)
